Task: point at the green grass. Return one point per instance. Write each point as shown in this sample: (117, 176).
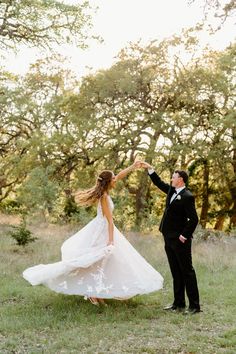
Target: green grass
(37, 320)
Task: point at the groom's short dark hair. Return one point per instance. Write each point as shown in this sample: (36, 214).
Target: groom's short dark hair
(182, 174)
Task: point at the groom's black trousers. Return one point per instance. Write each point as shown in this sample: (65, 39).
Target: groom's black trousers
(184, 277)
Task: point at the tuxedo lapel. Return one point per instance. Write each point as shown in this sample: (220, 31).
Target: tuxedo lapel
(179, 194)
(169, 195)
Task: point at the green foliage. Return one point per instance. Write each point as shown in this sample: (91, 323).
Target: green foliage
(67, 210)
(58, 133)
(82, 216)
(10, 206)
(22, 235)
(44, 23)
(70, 207)
(38, 191)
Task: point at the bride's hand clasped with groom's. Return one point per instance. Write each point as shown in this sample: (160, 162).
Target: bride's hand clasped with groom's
(142, 164)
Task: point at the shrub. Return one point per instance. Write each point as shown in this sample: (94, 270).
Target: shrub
(22, 235)
(202, 234)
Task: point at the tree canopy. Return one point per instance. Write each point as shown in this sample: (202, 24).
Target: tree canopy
(58, 132)
(42, 23)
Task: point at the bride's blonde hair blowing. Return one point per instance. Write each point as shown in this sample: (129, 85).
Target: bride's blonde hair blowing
(91, 196)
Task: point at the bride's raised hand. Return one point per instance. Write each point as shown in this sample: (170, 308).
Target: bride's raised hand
(145, 165)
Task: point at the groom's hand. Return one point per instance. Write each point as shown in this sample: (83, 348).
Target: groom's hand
(141, 164)
(182, 239)
(146, 165)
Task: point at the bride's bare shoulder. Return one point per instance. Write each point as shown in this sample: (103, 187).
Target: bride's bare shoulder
(105, 198)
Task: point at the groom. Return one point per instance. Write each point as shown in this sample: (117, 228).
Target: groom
(177, 226)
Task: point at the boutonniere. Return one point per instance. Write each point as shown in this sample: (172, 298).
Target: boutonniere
(178, 197)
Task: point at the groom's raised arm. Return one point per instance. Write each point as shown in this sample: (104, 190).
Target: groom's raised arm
(164, 187)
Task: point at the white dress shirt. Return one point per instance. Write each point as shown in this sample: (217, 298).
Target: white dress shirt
(177, 191)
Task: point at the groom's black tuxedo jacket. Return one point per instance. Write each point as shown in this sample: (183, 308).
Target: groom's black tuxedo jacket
(180, 216)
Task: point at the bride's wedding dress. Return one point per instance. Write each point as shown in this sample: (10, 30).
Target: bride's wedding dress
(90, 268)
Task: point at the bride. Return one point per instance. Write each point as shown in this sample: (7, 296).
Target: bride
(98, 262)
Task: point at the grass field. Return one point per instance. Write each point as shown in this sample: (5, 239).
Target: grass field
(37, 320)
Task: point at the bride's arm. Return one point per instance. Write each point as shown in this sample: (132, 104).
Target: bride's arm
(108, 214)
(127, 170)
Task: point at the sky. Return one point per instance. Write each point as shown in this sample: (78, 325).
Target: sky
(119, 22)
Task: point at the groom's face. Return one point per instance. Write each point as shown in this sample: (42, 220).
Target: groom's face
(176, 180)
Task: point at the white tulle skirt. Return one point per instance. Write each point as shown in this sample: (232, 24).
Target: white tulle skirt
(90, 268)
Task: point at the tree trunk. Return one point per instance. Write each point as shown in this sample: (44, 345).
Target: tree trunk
(139, 205)
(205, 194)
(144, 184)
(222, 215)
(233, 215)
(233, 184)
(220, 222)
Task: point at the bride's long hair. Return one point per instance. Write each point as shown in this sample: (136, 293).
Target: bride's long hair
(90, 196)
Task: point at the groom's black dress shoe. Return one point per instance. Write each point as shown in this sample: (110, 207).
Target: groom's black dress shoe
(192, 311)
(174, 308)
